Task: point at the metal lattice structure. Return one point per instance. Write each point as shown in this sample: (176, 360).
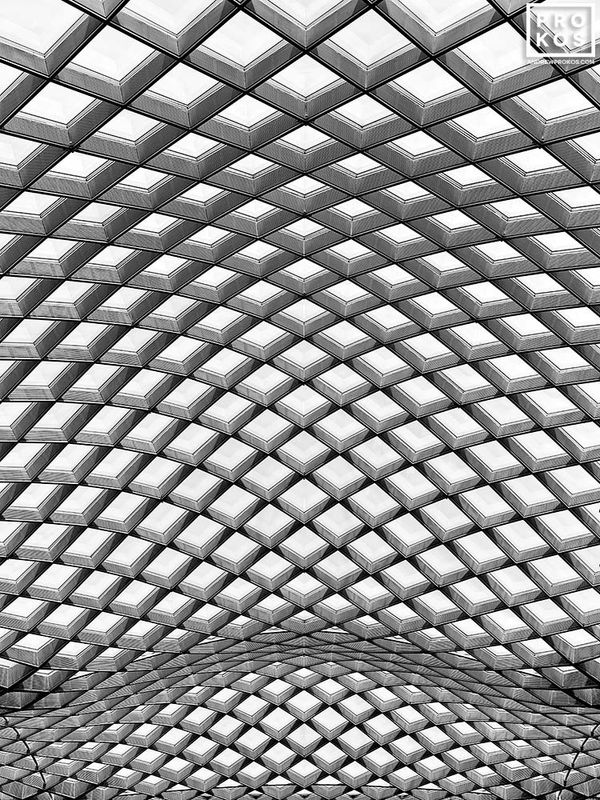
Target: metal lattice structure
(299, 452)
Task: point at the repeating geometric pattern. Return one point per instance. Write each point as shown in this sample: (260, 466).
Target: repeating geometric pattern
(299, 441)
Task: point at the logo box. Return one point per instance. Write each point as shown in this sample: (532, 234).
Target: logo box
(560, 30)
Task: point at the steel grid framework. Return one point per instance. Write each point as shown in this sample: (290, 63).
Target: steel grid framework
(299, 372)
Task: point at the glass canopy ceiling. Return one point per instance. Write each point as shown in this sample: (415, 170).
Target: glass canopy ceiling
(299, 363)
